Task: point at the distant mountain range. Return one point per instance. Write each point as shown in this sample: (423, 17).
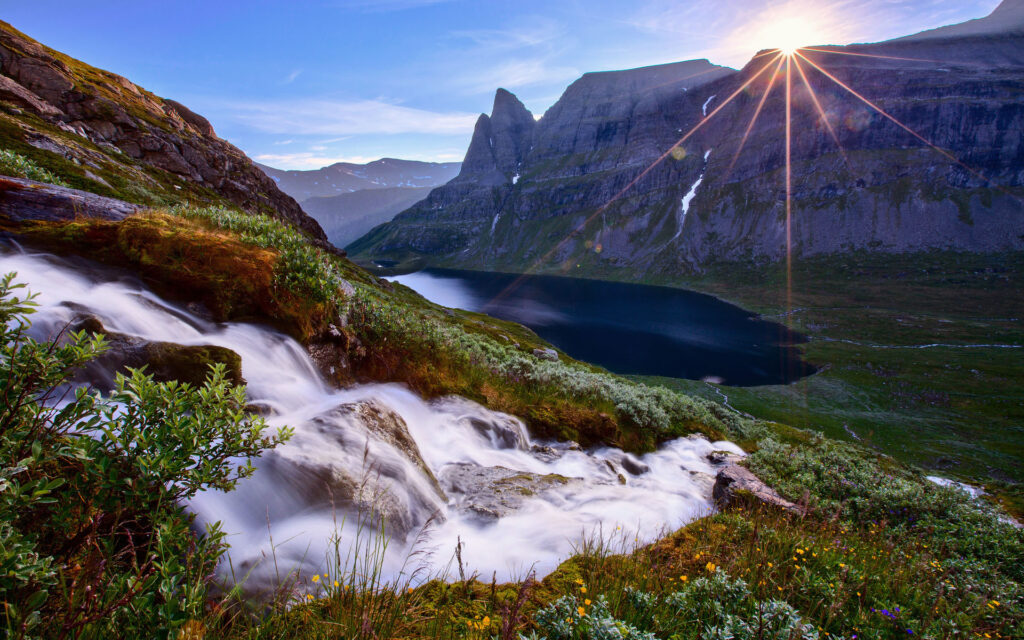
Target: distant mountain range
(588, 188)
(350, 199)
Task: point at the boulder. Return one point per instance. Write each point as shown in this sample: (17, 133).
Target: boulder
(22, 200)
(19, 95)
(489, 493)
(165, 361)
(546, 354)
(357, 458)
(733, 483)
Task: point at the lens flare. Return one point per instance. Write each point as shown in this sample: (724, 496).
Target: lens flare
(790, 34)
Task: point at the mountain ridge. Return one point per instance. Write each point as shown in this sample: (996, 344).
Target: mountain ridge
(563, 215)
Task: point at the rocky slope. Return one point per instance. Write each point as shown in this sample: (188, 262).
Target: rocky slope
(553, 207)
(101, 133)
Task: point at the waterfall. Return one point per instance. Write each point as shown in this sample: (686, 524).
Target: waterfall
(463, 470)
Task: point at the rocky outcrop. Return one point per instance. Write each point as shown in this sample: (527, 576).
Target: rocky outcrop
(22, 200)
(158, 143)
(326, 467)
(734, 484)
(490, 493)
(598, 192)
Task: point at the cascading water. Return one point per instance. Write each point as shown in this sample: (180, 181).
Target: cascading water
(463, 471)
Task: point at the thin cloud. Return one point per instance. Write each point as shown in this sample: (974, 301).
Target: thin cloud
(307, 160)
(292, 76)
(341, 118)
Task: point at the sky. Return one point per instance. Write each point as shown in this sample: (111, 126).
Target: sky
(301, 84)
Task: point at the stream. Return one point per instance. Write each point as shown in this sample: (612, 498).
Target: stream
(425, 473)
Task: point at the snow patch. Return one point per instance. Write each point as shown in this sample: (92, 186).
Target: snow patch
(690, 195)
(515, 179)
(704, 109)
(495, 223)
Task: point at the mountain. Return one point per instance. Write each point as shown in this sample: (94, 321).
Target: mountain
(345, 177)
(1008, 17)
(104, 134)
(347, 217)
(592, 188)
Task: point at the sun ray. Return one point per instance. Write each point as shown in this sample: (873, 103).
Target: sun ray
(870, 55)
(896, 121)
(789, 183)
(753, 120)
(821, 111)
(544, 258)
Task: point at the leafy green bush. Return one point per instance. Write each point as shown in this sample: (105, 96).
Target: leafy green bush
(716, 607)
(15, 164)
(94, 541)
(862, 487)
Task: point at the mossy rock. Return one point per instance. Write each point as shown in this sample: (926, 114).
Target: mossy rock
(167, 361)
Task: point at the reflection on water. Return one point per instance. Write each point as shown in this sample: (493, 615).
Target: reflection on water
(628, 328)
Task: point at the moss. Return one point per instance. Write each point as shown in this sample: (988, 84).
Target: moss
(191, 364)
(186, 260)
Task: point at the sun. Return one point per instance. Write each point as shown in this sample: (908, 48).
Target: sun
(789, 34)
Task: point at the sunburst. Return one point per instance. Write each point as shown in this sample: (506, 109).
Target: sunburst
(790, 52)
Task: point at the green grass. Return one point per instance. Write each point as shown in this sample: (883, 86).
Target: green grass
(17, 165)
(957, 411)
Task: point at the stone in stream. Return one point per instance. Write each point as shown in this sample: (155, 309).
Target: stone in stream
(490, 493)
(359, 458)
(164, 361)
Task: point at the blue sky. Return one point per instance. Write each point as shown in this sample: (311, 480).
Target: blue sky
(304, 83)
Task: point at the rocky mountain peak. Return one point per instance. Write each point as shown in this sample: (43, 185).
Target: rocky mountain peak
(500, 142)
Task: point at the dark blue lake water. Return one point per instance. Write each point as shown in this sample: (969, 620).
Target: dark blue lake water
(628, 328)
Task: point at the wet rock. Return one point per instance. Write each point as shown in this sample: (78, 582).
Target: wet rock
(723, 457)
(733, 483)
(504, 432)
(330, 466)
(165, 361)
(490, 493)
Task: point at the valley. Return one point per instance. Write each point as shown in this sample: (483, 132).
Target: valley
(697, 352)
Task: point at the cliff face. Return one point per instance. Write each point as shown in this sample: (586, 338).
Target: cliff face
(887, 191)
(116, 138)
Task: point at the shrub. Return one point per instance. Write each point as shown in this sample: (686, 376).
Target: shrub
(15, 164)
(93, 539)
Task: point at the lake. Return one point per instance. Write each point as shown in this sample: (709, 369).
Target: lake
(630, 329)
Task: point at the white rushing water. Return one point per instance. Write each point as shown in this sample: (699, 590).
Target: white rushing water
(337, 453)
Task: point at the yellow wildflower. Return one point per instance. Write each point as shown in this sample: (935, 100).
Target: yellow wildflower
(683, 578)
(583, 589)
(486, 621)
(587, 602)
(710, 566)
(581, 611)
